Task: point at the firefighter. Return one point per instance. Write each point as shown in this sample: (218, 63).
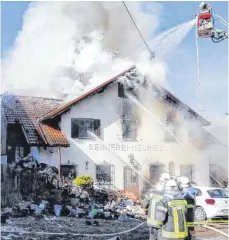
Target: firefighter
(151, 203)
(162, 180)
(204, 7)
(184, 186)
(172, 213)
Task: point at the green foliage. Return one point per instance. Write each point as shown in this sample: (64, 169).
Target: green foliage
(83, 181)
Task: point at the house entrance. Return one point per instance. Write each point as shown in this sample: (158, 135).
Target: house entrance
(131, 180)
(187, 171)
(155, 172)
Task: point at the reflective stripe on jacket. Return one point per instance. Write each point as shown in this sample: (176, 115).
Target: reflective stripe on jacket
(175, 226)
(190, 210)
(155, 209)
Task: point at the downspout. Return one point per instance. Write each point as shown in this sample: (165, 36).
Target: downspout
(59, 164)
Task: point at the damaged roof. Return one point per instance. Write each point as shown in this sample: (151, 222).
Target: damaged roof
(63, 108)
(37, 115)
(168, 96)
(27, 111)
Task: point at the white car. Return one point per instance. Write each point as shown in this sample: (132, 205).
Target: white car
(210, 202)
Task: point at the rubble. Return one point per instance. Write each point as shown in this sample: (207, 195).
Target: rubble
(99, 204)
(61, 201)
(62, 227)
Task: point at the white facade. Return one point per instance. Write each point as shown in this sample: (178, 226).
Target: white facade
(150, 147)
(49, 155)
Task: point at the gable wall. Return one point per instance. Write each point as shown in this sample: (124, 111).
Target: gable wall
(108, 108)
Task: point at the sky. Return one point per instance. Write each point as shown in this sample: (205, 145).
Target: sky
(182, 78)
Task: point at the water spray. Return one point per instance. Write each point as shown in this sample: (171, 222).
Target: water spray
(163, 40)
(110, 150)
(167, 130)
(222, 20)
(199, 106)
(99, 140)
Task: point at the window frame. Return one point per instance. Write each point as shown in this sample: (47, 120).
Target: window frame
(19, 151)
(74, 168)
(170, 124)
(182, 167)
(77, 134)
(102, 181)
(132, 131)
(158, 170)
(172, 168)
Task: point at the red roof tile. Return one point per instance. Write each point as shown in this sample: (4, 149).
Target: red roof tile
(27, 111)
(54, 136)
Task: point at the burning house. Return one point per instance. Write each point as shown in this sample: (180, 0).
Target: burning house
(107, 136)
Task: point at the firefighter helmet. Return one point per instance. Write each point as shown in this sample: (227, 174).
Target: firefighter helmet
(202, 4)
(171, 185)
(183, 182)
(164, 177)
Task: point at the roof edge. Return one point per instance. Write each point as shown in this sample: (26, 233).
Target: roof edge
(68, 105)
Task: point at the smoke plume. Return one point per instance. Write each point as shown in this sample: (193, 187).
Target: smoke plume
(65, 46)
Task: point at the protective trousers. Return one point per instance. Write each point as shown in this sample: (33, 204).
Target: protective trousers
(153, 233)
(189, 237)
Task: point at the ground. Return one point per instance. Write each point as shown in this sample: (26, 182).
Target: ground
(61, 229)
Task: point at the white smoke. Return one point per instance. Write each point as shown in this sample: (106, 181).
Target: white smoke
(64, 46)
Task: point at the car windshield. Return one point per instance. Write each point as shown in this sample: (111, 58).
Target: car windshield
(218, 193)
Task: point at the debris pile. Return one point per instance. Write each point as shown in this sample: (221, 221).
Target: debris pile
(46, 196)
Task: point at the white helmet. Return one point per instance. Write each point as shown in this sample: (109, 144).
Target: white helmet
(171, 185)
(183, 182)
(164, 177)
(202, 4)
(160, 186)
(177, 179)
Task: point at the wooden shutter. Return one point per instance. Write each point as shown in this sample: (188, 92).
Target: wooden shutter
(74, 128)
(97, 127)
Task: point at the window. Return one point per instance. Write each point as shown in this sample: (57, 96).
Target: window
(170, 124)
(68, 171)
(129, 130)
(121, 91)
(171, 168)
(130, 177)
(104, 174)
(186, 170)
(155, 172)
(82, 126)
(129, 123)
(19, 152)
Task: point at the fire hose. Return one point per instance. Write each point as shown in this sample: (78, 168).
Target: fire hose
(78, 234)
(203, 223)
(216, 230)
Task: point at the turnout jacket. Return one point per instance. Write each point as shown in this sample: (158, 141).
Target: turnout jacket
(153, 205)
(174, 217)
(190, 209)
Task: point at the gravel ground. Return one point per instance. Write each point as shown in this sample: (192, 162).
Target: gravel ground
(37, 229)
